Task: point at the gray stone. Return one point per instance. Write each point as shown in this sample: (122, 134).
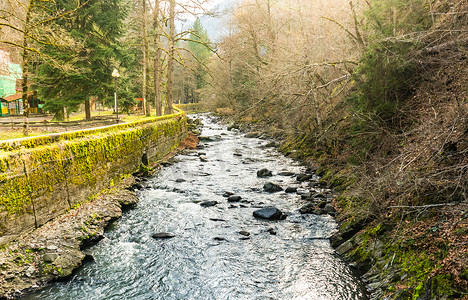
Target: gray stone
(163, 235)
(271, 187)
(234, 198)
(345, 247)
(50, 257)
(269, 213)
(303, 177)
(208, 203)
(291, 190)
(264, 173)
(329, 209)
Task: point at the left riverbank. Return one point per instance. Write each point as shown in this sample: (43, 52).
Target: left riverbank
(43, 177)
(53, 251)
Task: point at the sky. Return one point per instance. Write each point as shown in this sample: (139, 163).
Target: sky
(212, 24)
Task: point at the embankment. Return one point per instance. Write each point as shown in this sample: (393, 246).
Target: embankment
(43, 177)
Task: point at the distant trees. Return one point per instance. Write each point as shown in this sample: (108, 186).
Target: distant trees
(285, 62)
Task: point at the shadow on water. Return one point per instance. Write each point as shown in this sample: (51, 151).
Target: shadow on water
(209, 258)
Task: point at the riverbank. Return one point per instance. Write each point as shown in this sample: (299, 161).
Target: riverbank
(403, 252)
(53, 251)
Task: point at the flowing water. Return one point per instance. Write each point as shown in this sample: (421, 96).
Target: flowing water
(208, 258)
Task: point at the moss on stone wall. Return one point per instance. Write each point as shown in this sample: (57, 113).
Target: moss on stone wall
(45, 176)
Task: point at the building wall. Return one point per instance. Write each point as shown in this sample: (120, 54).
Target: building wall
(40, 181)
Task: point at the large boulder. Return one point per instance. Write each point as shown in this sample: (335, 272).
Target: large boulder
(269, 213)
(272, 187)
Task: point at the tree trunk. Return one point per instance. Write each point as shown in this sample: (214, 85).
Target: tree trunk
(146, 107)
(25, 68)
(170, 59)
(87, 106)
(157, 61)
(59, 115)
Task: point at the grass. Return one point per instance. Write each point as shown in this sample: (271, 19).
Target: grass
(16, 134)
(7, 134)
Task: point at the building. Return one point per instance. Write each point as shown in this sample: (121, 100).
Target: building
(11, 102)
(9, 74)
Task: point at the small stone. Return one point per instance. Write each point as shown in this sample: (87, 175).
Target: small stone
(163, 235)
(244, 233)
(271, 187)
(251, 135)
(309, 208)
(218, 238)
(203, 158)
(264, 173)
(234, 198)
(291, 190)
(237, 154)
(50, 257)
(208, 203)
(271, 231)
(330, 209)
(303, 177)
(322, 204)
(269, 213)
(288, 174)
(180, 180)
(227, 194)
(217, 220)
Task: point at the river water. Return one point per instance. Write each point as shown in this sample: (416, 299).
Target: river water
(208, 258)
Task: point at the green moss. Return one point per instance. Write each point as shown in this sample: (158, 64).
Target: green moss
(86, 160)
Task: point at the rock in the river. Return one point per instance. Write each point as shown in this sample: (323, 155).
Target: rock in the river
(203, 158)
(206, 139)
(309, 208)
(303, 177)
(232, 126)
(253, 135)
(180, 180)
(208, 203)
(329, 209)
(271, 231)
(269, 213)
(307, 196)
(50, 257)
(286, 173)
(218, 238)
(234, 198)
(264, 173)
(271, 187)
(244, 233)
(227, 194)
(322, 204)
(291, 190)
(163, 235)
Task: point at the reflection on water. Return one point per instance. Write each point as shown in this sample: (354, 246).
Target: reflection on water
(296, 263)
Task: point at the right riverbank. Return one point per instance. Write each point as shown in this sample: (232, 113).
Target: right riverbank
(401, 251)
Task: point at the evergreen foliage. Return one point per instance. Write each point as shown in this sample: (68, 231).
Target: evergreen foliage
(98, 25)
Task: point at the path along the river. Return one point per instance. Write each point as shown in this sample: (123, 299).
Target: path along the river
(220, 251)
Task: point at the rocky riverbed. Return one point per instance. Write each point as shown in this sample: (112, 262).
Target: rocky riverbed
(54, 250)
(233, 219)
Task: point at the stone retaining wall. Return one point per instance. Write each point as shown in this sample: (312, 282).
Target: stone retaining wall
(43, 177)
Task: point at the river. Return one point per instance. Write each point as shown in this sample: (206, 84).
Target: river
(209, 258)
